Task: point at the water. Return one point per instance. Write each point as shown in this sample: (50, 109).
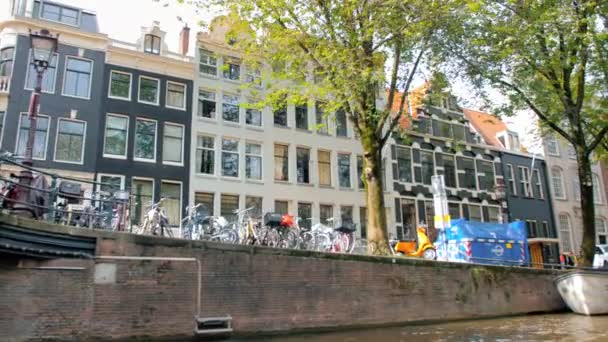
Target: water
(555, 327)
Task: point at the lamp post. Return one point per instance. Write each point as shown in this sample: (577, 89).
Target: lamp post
(44, 45)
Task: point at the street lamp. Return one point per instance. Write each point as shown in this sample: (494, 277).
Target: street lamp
(43, 45)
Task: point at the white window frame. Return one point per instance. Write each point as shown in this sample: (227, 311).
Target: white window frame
(183, 143)
(105, 128)
(597, 188)
(226, 61)
(153, 160)
(213, 149)
(48, 132)
(562, 230)
(209, 54)
(604, 231)
(215, 100)
(181, 195)
(552, 139)
(538, 182)
(183, 107)
(571, 152)
(237, 152)
(513, 179)
(40, 8)
(238, 105)
(98, 179)
(27, 73)
(527, 190)
(84, 142)
(157, 90)
(561, 180)
(147, 179)
(130, 86)
(3, 125)
(261, 156)
(350, 171)
(65, 69)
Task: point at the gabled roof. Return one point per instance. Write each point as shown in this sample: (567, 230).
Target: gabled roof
(486, 124)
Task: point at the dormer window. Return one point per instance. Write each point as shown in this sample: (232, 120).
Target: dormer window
(60, 14)
(509, 140)
(152, 44)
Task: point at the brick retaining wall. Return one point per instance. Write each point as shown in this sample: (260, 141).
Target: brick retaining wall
(263, 289)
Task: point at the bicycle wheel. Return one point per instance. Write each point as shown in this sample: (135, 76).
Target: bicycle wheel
(307, 241)
(289, 239)
(226, 235)
(273, 238)
(322, 243)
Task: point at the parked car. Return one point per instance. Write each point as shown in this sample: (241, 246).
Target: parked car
(601, 256)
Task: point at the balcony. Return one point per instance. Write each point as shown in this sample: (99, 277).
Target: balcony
(5, 84)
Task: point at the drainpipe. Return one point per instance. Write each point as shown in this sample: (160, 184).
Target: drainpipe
(177, 259)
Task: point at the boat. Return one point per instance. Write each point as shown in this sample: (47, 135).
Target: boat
(585, 292)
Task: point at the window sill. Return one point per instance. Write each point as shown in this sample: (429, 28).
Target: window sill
(303, 130)
(235, 82)
(68, 162)
(210, 76)
(343, 137)
(149, 161)
(325, 134)
(88, 98)
(282, 127)
(176, 108)
(346, 189)
(231, 124)
(173, 164)
(310, 185)
(254, 181)
(207, 120)
(149, 103)
(254, 128)
(110, 156)
(326, 186)
(231, 179)
(282, 182)
(205, 175)
(127, 99)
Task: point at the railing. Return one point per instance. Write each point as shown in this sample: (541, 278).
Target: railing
(5, 84)
(30, 195)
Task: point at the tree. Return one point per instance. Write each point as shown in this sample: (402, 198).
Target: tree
(550, 57)
(345, 53)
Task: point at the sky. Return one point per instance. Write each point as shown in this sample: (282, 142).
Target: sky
(123, 19)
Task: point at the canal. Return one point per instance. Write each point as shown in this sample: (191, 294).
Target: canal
(555, 327)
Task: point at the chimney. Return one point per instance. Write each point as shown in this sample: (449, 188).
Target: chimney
(184, 40)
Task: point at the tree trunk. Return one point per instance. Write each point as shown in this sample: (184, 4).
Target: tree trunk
(376, 214)
(587, 208)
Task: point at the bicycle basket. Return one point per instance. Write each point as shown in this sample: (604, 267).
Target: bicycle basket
(287, 221)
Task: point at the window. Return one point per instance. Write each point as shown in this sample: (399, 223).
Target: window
(324, 168)
(524, 181)
(458, 131)
(206, 104)
(538, 185)
(176, 95)
(426, 160)
(230, 108)
(326, 212)
(280, 115)
(576, 186)
(173, 143)
(77, 79)
(303, 165)
(321, 118)
(59, 13)
(363, 221)
(475, 213)
(2, 117)
(232, 71)
(454, 210)
(6, 61)
(40, 142)
(48, 77)
(360, 182)
(466, 177)
(253, 75)
(305, 215)
(256, 203)
(600, 230)
(442, 129)
(172, 194)
(404, 164)
(564, 233)
(142, 191)
(207, 63)
(152, 44)
(206, 200)
(253, 161)
(148, 90)
(344, 170)
(341, 125)
(228, 204)
(281, 163)
(281, 207)
(449, 169)
(513, 141)
(230, 157)
(571, 152)
(511, 179)
(597, 195)
(120, 85)
(485, 174)
(558, 183)
(205, 155)
(145, 140)
(110, 184)
(552, 145)
(253, 117)
(346, 214)
(532, 228)
(302, 117)
(115, 143)
(69, 146)
(545, 231)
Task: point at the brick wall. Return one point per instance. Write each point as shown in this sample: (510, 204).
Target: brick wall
(264, 290)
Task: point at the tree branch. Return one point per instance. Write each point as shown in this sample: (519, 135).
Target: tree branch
(393, 84)
(599, 137)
